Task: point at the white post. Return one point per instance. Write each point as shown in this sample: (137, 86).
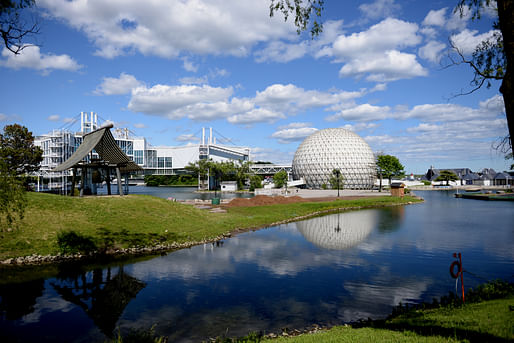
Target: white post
(203, 135)
(210, 135)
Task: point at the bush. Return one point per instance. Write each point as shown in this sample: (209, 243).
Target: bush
(324, 186)
(71, 242)
(426, 183)
(255, 182)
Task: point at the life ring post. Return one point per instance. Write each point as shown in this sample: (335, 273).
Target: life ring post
(460, 271)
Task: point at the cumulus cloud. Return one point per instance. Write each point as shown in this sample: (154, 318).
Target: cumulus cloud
(140, 125)
(290, 98)
(432, 51)
(32, 58)
(364, 112)
(121, 85)
(376, 53)
(170, 28)
(290, 135)
(171, 101)
(187, 138)
(436, 18)
(467, 40)
(257, 115)
(53, 117)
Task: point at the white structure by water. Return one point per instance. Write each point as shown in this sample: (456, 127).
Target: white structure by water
(329, 149)
(59, 145)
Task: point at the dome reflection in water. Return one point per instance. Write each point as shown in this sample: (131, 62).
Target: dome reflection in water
(338, 231)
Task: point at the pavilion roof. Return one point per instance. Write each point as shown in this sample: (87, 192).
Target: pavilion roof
(103, 142)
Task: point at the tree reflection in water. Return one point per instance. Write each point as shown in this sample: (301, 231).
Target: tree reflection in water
(103, 299)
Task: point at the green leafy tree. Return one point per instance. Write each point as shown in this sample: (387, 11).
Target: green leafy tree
(17, 150)
(255, 182)
(13, 28)
(336, 180)
(241, 173)
(389, 166)
(18, 157)
(12, 197)
(447, 175)
(490, 61)
(280, 179)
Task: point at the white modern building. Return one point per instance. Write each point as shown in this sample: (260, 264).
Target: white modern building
(59, 145)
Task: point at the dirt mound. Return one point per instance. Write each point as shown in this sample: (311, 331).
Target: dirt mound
(260, 200)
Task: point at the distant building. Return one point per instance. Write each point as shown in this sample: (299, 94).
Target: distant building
(59, 145)
(485, 177)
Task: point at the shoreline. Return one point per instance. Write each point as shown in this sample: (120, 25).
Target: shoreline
(35, 259)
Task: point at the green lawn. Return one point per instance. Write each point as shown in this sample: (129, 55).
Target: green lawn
(146, 220)
(488, 321)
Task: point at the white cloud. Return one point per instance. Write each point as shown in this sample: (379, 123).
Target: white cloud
(69, 120)
(282, 52)
(169, 28)
(189, 66)
(271, 155)
(140, 125)
(467, 40)
(375, 52)
(257, 115)
(32, 58)
(432, 51)
(290, 98)
(380, 9)
(171, 101)
(53, 117)
(193, 80)
(436, 18)
(187, 138)
(3, 117)
(390, 66)
(290, 135)
(114, 86)
(360, 126)
(364, 112)
(294, 125)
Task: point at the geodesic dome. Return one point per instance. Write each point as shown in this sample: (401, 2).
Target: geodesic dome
(329, 149)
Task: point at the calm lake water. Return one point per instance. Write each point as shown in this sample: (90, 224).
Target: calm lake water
(325, 270)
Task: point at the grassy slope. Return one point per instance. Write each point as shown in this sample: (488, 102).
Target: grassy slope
(489, 321)
(145, 220)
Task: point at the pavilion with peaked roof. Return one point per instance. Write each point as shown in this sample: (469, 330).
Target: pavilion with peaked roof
(110, 156)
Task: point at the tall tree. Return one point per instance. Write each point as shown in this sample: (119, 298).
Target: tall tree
(17, 150)
(490, 61)
(389, 166)
(13, 28)
(447, 175)
(18, 157)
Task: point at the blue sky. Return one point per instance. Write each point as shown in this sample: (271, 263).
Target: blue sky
(166, 68)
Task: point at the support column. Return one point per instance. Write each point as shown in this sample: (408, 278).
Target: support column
(108, 180)
(118, 177)
(82, 181)
(73, 181)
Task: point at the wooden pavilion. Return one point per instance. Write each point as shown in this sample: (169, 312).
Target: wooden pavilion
(110, 156)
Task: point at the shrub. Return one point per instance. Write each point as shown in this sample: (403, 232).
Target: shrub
(71, 242)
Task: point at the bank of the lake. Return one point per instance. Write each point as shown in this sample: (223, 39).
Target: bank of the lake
(487, 321)
(120, 223)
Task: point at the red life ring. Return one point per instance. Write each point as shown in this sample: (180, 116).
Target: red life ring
(452, 267)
